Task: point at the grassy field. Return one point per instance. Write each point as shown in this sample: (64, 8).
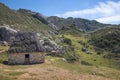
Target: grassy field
(3, 48)
(88, 67)
(55, 68)
(93, 58)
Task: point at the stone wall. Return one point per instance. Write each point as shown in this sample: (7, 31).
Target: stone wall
(19, 58)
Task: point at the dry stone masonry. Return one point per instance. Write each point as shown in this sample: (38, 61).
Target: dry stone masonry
(25, 49)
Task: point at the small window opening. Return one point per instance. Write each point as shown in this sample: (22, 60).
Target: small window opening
(26, 55)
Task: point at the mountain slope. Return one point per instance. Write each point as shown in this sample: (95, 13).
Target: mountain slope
(108, 39)
(23, 19)
(84, 24)
(20, 21)
(80, 58)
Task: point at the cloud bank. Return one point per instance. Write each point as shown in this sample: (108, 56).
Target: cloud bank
(104, 12)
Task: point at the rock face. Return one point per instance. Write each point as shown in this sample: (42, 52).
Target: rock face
(25, 39)
(3, 43)
(51, 47)
(7, 34)
(41, 18)
(79, 23)
(25, 42)
(59, 40)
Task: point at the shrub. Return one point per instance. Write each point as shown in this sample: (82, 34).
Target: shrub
(67, 41)
(71, 57)
(86, 63)
(98, 52)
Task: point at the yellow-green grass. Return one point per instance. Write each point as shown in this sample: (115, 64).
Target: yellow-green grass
(100, 66)
(4, 47)
(94, 58)
(8, 72)
(93, 70)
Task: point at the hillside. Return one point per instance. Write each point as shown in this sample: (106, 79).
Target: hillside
(82, 24)
(79, 49)
(55, 68)
(20, 21)
(71, 29)
(107, 39)
(23, 19)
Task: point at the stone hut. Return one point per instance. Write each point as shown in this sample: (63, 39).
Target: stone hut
(25, 49)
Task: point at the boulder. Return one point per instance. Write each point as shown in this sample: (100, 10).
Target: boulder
(7, 34)
(52, 47)
(4, 43)
(84, 49)
(89, 52)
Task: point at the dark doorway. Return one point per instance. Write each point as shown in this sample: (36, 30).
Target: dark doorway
(27, 58)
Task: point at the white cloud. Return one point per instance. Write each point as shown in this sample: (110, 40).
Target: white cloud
(111, 19)
(108, 12)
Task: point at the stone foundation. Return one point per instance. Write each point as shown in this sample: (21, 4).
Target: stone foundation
(19, 58)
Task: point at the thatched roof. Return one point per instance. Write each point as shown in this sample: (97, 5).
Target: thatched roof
(25, 42)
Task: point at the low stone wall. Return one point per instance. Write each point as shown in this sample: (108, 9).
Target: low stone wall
(19, 58)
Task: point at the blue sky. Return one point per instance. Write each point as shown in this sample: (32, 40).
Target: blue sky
(105, 11)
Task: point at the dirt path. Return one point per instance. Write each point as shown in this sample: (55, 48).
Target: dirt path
(1, 51)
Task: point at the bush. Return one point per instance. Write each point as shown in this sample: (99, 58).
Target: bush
(86, 63)
(99, 53)
(67, 41)
(71, 57)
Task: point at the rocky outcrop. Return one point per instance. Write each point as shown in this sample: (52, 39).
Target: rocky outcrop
(44, 20)
(7, 33)
(59, 40)
(41, 18)
(79, 23)
(3, 43)
(51, 47)
(25, 39)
